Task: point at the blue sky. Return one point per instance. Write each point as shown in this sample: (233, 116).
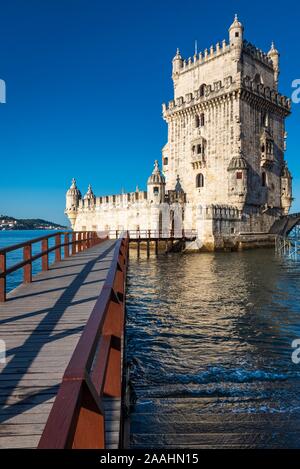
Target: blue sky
(86, 80)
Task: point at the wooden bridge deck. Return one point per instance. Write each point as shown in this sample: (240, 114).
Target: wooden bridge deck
(41, 323)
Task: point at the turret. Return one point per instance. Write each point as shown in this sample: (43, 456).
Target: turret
(177, 63)
(274, 56)
(286, 190)
(89, 198)
(156, 185)
(236, 32)
(73, 196)
(238, 180)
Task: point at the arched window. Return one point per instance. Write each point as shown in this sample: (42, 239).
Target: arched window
(155, 190)
(200, 180)
(239, 175)
(197, 121)
(166, 160)
(202, 119)
(264, 179)
(202, 90)
(257, 78)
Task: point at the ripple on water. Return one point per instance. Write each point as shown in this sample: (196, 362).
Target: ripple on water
(216, 327)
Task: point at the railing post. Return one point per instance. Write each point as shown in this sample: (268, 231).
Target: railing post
(57, 250)
(73, 243)
(66, 245)
(45, 247)
(88, 239)
(79, 242)
(27, 255)
(3, 279)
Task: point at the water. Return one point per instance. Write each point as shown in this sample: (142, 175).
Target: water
(7, 238)
(208, 339)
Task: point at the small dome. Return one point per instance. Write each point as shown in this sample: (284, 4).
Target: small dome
(236, 23)
(237, 162)
(156, 177)
(273, 50)
(177, 56)
(90, 193)
(74, 191)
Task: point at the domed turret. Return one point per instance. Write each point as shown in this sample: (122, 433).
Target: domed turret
(238, 180)
(286, 189)
(73, 196)
(89, 197)
(237, 162)
(156, 185)
(236, 32)
(274, 56)
(177, 62)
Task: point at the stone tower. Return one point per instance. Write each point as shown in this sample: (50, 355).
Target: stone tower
(226, 127)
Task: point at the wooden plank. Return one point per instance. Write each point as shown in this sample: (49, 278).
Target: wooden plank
(41, 323)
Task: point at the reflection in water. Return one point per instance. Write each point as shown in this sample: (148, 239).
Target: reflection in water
(211, 334)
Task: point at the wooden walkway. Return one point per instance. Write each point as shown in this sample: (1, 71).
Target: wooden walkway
(41, 323)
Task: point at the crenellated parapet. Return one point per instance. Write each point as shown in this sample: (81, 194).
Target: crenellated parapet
(252, 88)
(115, 200)
(181, 65)
(257, 54)
(220, 88)
(202, 96)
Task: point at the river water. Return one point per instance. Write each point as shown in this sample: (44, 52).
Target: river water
(8, 238)
(209, 347)
(209, 340)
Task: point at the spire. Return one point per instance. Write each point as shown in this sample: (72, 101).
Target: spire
(73, 185)
(236, 23)
(89, 194)
(273, 50)
(177, 55)
(178, 187)
(156, 167)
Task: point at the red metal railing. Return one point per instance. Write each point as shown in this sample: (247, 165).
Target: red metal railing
(77, 418)
(71, 242)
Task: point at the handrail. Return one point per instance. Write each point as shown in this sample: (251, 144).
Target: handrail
(77, 418)
(155, 234)
(79, 241)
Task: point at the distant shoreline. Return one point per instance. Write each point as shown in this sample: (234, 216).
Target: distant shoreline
(8, 223)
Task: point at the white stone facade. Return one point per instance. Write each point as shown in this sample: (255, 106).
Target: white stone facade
(224, 159)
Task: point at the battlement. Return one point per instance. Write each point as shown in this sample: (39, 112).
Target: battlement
(271, 95)
(201, 58)
(114, 200)
(219, 87)
(257, 54)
